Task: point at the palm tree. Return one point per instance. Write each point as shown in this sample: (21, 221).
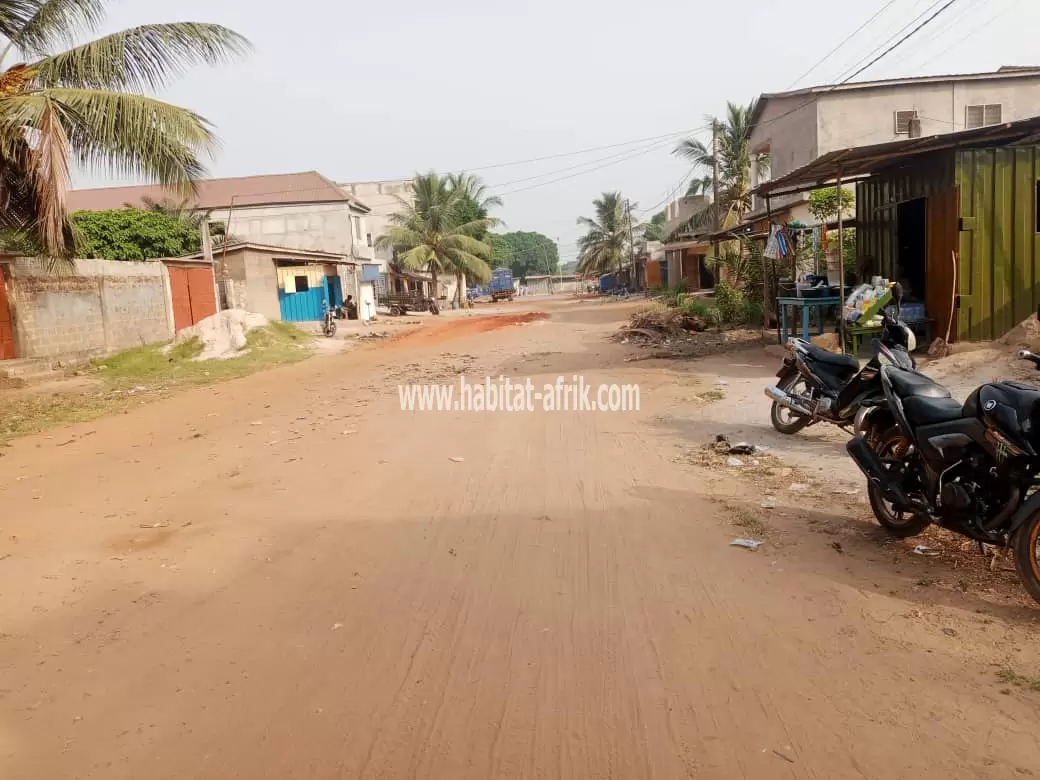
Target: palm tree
(183, 210)
(734, 160)
(603, 246)
(475, 203)
(87, 103)
(433, 233)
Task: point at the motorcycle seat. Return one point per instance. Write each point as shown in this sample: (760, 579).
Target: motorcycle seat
(910, 384)
(923, 410)
(843, 362)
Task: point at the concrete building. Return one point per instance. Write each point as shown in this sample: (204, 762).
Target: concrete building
(794, 128)
(383, 199)
(295, 210)
(291, 284)
(686, 251)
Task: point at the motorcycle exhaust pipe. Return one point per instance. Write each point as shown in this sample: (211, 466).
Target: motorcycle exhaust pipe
(787, 400)
(874, 470)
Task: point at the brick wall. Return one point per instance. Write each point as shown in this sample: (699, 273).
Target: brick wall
(89, 307)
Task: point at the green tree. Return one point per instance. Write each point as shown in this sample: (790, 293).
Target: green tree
(134, 234)
(474, 204)
(734, 160)
(532, 253)
(434, 233)
(501, 251)
(185, 211)
(607, 235)
(823, 204)
(92, 102)
(654, 229)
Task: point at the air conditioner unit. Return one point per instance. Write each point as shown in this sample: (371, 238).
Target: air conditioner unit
(914, 127)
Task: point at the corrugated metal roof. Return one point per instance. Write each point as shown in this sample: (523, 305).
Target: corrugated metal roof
(268, 190)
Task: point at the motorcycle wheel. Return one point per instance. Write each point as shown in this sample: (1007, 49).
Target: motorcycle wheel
(897, 523)
(1026, 549)
(330, 329)
(783, 419)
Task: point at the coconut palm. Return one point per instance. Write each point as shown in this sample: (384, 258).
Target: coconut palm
(734, 159)
(475, 203)
(86, 104)
(183, 210)
(432, 233)
(607, 235)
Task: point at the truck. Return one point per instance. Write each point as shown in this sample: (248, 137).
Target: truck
(501, 285)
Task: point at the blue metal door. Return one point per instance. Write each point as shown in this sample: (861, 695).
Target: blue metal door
(303, 306)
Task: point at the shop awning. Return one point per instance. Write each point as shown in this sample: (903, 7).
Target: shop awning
(861, 162)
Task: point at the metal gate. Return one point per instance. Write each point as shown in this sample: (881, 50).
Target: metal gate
(6, 329)
(193, 297)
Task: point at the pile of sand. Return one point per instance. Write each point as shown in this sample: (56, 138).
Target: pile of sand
(974, 364)
(224, 334)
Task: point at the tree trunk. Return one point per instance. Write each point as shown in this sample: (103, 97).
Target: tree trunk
(459, 285)
(435, 293)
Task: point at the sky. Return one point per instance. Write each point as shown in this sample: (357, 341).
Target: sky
(380, 90)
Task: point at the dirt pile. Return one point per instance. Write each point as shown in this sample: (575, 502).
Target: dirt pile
(224, 334)
(974, 364)
(657, 324)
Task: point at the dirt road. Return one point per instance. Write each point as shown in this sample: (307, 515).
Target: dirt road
(288, 577)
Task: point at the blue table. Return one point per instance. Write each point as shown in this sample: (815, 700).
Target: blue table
(807, 305)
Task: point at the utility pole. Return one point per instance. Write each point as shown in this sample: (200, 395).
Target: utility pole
(715, 186)
(632, 247)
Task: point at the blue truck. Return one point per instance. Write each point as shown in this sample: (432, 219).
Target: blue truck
(501, 285)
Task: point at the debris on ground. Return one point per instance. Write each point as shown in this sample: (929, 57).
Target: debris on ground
(457, 459)
(798, 487)
(749, 544)
(768, 503)
(927, 552)
(223, 335)
(734, 462)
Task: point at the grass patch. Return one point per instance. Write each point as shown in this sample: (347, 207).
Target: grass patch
(1009, 676)
(133, 376)
(710, 396)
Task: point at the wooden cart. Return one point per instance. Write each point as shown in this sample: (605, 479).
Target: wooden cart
(400, 304)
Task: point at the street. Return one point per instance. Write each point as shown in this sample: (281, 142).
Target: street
(286, 576)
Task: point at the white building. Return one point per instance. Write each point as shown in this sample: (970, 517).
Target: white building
(796, 127)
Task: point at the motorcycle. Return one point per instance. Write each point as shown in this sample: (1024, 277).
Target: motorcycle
(970, 467)
(328, 320)
(816, 385)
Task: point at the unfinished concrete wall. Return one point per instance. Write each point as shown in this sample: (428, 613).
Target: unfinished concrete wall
(262, 284)
(90, 307)
(324, 227)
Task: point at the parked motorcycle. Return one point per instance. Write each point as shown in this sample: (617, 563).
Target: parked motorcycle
(968, 467)
(816, 385)
(328, 320)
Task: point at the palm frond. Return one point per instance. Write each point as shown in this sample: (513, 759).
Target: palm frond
(142, 58)
(40, 25)
(132, 136)
(467, 263)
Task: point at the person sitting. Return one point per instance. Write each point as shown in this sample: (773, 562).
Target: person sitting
(351, 307)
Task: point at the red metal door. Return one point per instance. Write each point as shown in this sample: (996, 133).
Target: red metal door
(6, 330)
(200, 289)
(181, 295)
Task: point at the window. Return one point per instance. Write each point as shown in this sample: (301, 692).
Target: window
(982, 115)
(368, 239)
(301, 284)
(357, 228)
(902, 121)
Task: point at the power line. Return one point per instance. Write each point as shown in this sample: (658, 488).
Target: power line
(873, 61)
(977, 29)
(848, 38)
(570, 167)
(904, 39)
(629, 156)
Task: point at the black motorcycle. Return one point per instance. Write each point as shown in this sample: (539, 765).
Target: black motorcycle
(969, 467)
(816, 385)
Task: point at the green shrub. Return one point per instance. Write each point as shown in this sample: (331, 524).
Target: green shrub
(696, 307)
(730, 303)
(753, 313)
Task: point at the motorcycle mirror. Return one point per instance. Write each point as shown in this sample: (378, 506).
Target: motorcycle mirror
(897, 293)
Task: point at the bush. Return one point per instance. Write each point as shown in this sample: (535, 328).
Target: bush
(696, 307)
(753, 313)
(730, 303)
